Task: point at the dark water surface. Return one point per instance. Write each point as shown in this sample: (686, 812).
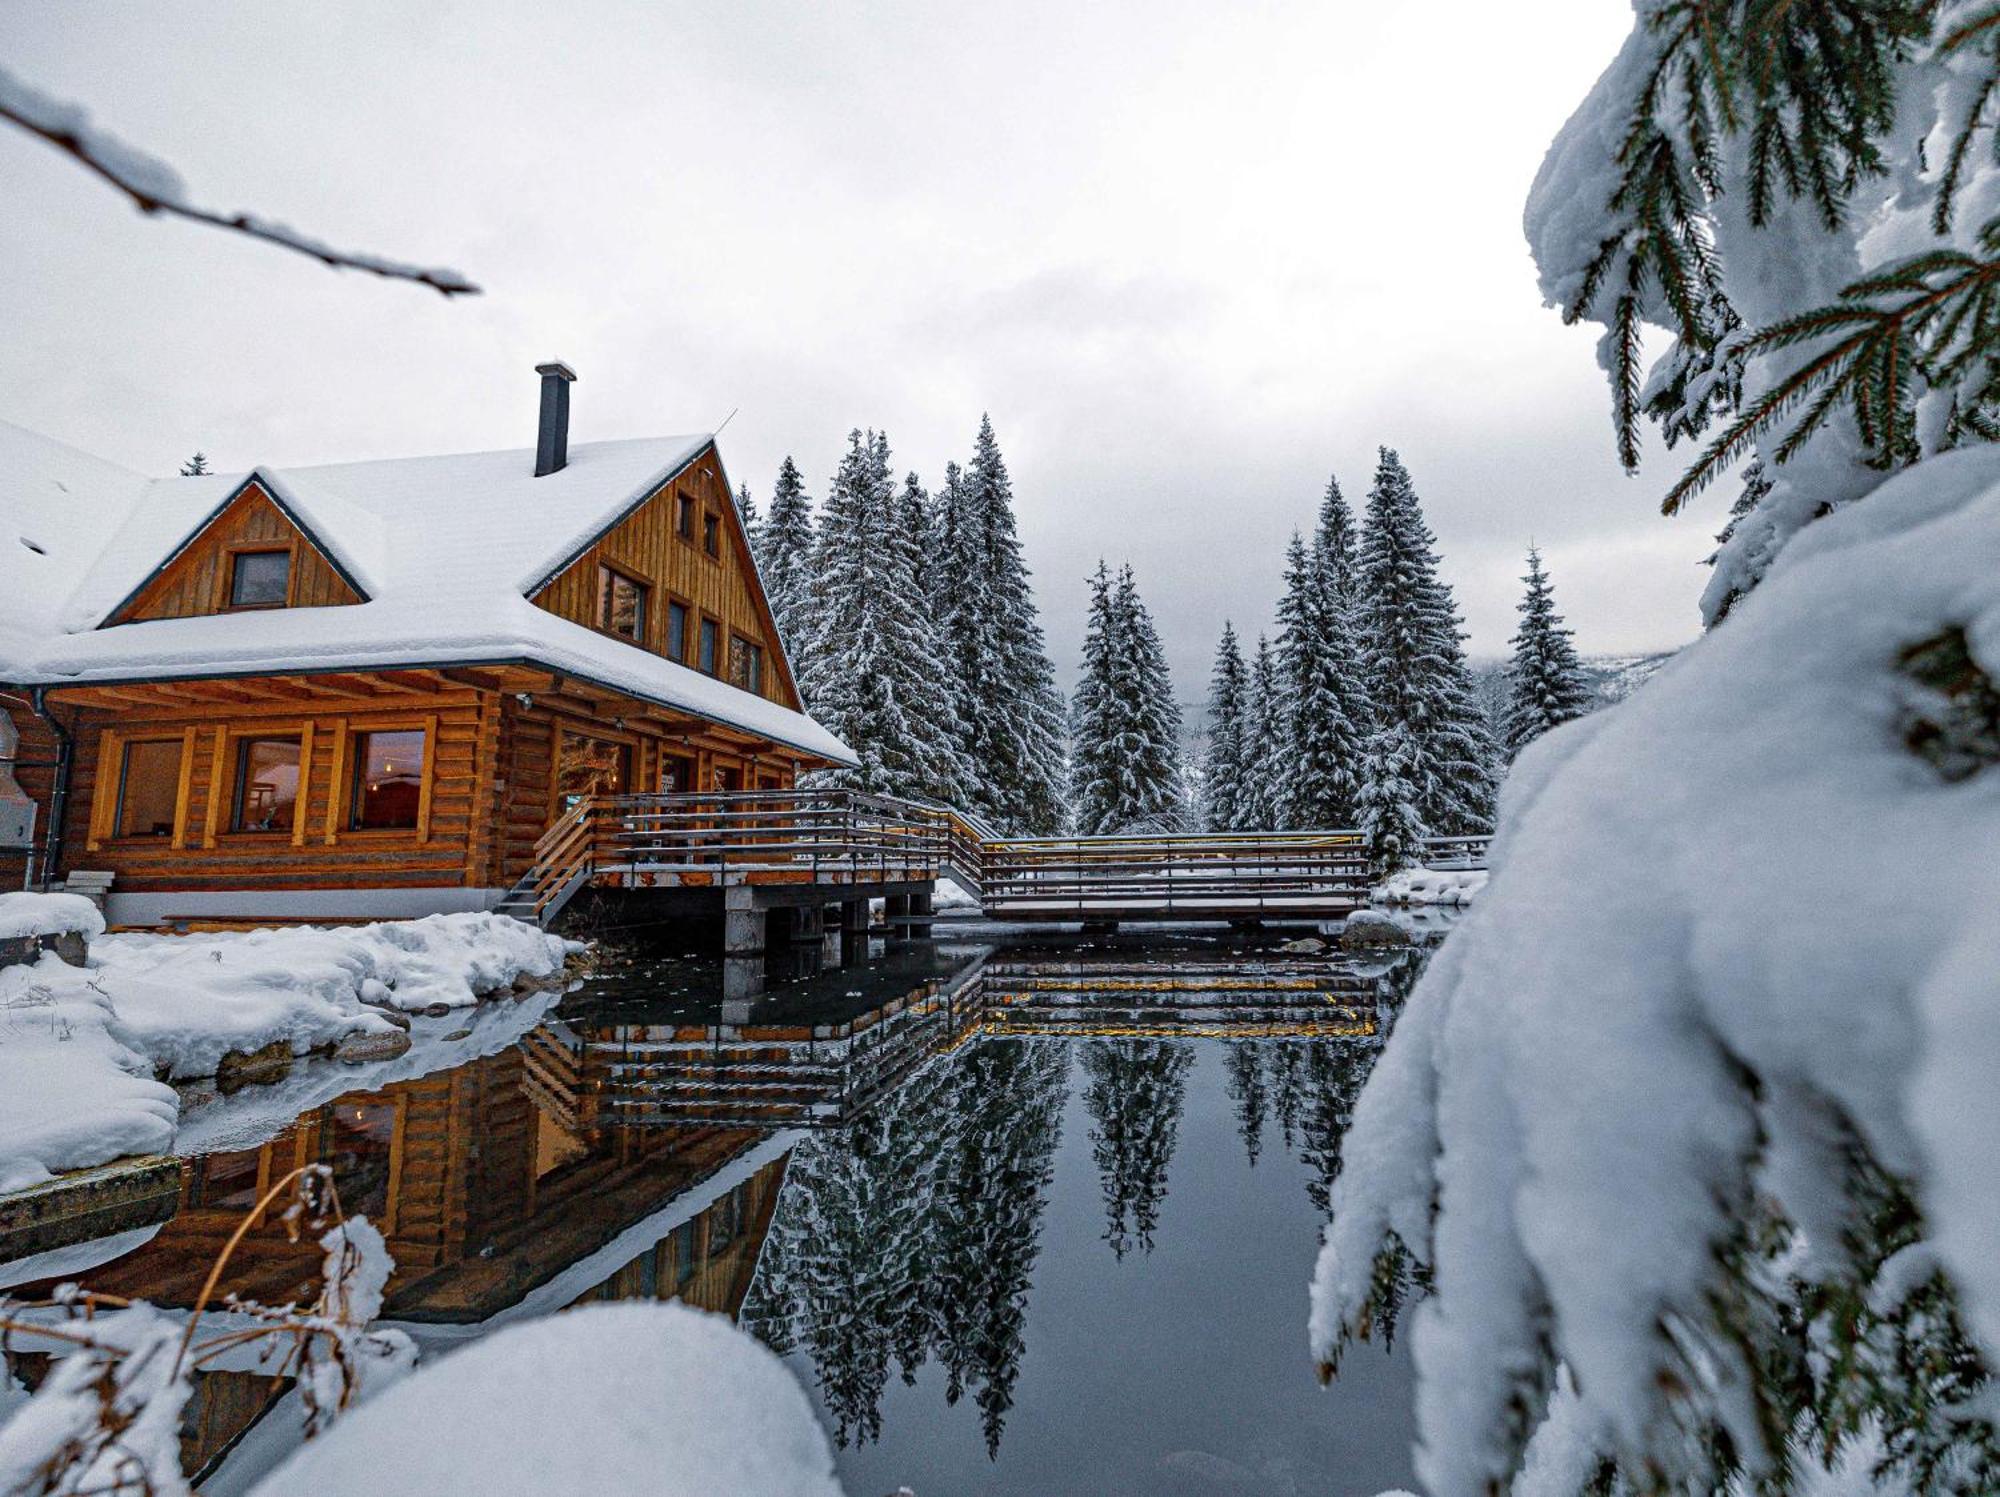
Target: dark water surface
(1025, 1214)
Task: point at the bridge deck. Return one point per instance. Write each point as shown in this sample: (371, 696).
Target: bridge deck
(838, 838)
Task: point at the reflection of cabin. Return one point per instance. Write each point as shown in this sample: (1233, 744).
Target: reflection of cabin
(487, 1201)
(365, 690)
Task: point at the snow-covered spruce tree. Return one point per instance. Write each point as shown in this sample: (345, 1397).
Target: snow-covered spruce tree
(746, 511)
(1259, 802)
(1413, 664)
(870, 667)
(1546, 686)
(1392, 828)
(1335, 544)
(1125, 770)
(1733, 1227)
(783, 547)
(195, 466)
(1222, 773)
(1014, 737)
(917, 515)
(1326, 707)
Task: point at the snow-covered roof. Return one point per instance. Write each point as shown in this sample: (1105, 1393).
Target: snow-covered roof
(444, 551)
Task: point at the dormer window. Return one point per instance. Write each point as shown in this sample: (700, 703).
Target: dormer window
(260, 579)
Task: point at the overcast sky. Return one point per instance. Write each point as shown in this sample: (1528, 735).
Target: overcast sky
(1191, 256)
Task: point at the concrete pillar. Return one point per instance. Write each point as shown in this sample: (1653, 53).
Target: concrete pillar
(921, 906)
(745, 928)
(743, 979)
(896, 911)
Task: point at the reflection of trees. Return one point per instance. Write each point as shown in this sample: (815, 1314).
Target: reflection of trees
(1246, 1087)
(914, 1233)
(1134, 1094)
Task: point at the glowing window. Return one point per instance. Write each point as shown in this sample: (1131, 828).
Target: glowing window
(388, 779)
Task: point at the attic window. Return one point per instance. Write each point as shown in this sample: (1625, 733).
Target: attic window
(746, 664)
(683, 516)
(260, 579)
(621, 605)
(711, 533)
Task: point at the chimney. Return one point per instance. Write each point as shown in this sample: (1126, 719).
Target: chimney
(552, 446)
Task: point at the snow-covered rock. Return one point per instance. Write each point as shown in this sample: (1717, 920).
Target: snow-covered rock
(1367, 929)
(1731, 917)
(608, 1398)
(23, 914)
(1453, 886)
(80, 1048)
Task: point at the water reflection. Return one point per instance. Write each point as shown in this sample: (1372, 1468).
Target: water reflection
(956, 1183)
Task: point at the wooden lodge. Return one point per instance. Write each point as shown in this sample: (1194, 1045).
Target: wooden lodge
(367, 690)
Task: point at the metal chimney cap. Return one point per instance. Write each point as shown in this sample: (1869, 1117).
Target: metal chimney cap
(557, 369)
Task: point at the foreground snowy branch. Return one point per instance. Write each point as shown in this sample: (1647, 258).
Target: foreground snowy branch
(157, 188)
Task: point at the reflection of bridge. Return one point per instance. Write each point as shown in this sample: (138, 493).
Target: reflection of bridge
(752, 853)
(826, 1074)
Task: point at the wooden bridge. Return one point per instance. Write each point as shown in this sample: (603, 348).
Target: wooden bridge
(814, 849)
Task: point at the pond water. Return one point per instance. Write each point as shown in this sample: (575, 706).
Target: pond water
(1026, 1214)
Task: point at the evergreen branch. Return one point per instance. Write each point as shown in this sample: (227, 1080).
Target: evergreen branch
(1982, 24)
(1961, 142)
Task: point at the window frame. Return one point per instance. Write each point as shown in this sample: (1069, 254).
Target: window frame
(355, 762)
(236, 553)
(710, 628)
(107, 809)
(606, 572)
(755, 647)
(238, 760)
(711, 533)
(223, 761)
(688, 615)
(685, 505)
(340, 808)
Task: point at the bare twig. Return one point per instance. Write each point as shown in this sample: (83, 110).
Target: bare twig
(156, 187)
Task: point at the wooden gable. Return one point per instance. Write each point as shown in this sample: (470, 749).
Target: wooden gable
(648, 546)
(197, 579)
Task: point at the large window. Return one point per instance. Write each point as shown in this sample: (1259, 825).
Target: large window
(260, 579)
(711, 645)
(621, 605)
(746, 664)
(149, 788)
(388, 791)
(677, 631)
(267, 785)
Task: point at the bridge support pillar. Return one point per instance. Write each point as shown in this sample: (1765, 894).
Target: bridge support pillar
(745, 928)
(896, 912)
(921, 908)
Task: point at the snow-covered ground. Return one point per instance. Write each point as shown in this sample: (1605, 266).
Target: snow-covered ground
(85, 1052)
(1786, 956)
(1454, 886)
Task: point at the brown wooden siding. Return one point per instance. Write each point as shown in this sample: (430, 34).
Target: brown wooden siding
(646, 548)
(196, 582)
(448, 848)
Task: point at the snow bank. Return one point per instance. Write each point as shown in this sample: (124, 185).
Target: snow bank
(79, 1047)
(48, 915)
(74, 1090)
(1454, 886)
(607, 1398)
(1729, 917)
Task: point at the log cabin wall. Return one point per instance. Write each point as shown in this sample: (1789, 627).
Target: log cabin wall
(197, 581)
(450, 845)
(649, 547)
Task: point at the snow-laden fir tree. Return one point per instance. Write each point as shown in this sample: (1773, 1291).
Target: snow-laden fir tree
(1414, 665)
(1326, 715)
(1125, 770)
(783, 547)
(917, 516)
(1222, 771)
(871, 664)
(1260, 800)
(1014, 740)
(746, 511)
(1546, 686)
(195, 466)
(1391, 825)
(1335, 543)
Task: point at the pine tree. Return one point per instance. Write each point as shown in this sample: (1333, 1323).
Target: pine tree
(1334, 544)
(1413, 665)
(1015, 741)
(196, 466)
(1125, 734)
(1326, 710)
(1222, 774)
(1545, 683)
(1392, 828)
(783, 547)
(916, 514)
(1259, 801)
(870, 669)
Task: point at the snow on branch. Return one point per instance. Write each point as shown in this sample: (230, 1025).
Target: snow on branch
(157, 188)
